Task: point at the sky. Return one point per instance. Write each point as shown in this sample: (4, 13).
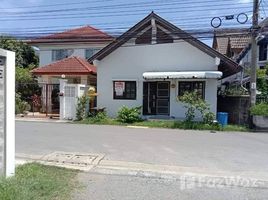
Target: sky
(30, 18)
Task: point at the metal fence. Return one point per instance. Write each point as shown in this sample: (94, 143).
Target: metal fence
(42, 98)
(262, 99)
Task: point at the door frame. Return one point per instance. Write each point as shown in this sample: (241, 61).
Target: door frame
(156, 95)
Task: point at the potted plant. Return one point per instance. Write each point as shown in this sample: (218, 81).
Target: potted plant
(260, 116)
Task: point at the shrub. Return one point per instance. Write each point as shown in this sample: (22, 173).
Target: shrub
(99, 117)
(208, 117)
(81, 108)
(129, 115)
(193, 102)
(20, 105)
(260, 109)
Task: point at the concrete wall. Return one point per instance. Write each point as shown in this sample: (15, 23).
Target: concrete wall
(130, 62)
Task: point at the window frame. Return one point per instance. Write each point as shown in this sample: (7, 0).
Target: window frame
(263, 52)
(124, 97)
(53, 52)
(203, 95)
(94, 51)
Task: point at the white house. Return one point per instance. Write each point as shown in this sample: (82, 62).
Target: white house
(153, 63)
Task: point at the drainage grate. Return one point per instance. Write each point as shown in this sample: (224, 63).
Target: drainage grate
(78, 159)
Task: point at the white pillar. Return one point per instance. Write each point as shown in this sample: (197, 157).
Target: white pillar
(63, 83)
(83, 80)
(7, 112)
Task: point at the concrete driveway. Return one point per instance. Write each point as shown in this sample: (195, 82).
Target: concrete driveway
(202, 149)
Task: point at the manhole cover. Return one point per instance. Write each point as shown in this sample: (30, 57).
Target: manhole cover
(78, 159)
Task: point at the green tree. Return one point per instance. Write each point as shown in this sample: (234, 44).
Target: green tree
(262, 83)
(25, 55)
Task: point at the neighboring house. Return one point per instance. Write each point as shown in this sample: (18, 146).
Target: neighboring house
(230, 43)
(153, 63)
(63, 55)
(78, 71)
(81, 42)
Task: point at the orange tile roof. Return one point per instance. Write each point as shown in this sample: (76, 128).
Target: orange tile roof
(68, 66)
(85, 33)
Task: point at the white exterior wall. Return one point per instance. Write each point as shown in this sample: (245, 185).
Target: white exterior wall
(130, 62)
(45, 51)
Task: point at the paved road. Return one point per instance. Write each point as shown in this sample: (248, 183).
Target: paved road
(215, 151)
(107, 187)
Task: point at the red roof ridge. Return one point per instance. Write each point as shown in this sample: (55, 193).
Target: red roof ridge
(86, 66)
(70, 65)
(98, 30)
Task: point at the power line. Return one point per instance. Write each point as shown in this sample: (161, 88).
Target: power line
(123, 5)
(101, 16)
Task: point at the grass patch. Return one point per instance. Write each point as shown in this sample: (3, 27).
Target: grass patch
(172, 124)
(38, 182)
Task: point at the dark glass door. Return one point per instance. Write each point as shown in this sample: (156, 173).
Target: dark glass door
(156, 98)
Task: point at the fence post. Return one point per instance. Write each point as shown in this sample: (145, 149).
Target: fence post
(63, 83)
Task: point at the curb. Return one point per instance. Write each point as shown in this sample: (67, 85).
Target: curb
(186, 174)
(41, 120)
(201, 176)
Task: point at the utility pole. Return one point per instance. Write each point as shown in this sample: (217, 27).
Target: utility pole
(253, 75)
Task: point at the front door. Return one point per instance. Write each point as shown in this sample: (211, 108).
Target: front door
(156, 98)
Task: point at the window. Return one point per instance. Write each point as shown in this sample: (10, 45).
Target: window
(188, 86)
(124, 90)
(90, 52)
(263, 52)
(61, 54)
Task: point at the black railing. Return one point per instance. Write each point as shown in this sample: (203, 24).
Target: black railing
(262, 99)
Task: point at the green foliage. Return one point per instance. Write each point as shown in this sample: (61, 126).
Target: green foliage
(20, 105)
(259, 109)
(100, 117)
(234, 90)
(262, 83)
(208, 117)
(81, 108)
(24, 75)
(25, 55)
(193, 103)
(129, 115)
(35, 181)
(169, 124)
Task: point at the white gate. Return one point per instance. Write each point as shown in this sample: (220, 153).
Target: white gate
(69, 101)
(69, 93)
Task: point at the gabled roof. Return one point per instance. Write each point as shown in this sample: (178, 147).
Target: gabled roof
(236, 38)
(68, 66)
(230, 68)
(82, 34)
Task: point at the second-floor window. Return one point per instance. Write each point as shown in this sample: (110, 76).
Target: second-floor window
(90, 52)
(263, 52)
(59, 54)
